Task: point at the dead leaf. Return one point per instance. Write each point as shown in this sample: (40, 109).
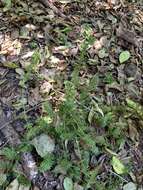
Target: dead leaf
(46, 87)
(48, 74)
(34, 96)
(28, 55)
(133, 133)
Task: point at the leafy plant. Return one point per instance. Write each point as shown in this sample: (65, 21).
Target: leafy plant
(89, 39)
(68, 184)
(47, 163)
(31, 69)
(9, 153)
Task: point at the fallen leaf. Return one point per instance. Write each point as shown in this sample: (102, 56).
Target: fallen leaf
(14, 185)
(124, 56)
(28, 55)
(130, 186)
(118, 167)
(46, 87)
(48, 74)
(133, 133)
(68, 184)
(34, 96)
(65, 1)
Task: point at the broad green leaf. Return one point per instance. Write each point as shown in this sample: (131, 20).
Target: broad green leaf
(118, 167)
(130, 186)
(124, 56)
(68, 184)
(43, 144)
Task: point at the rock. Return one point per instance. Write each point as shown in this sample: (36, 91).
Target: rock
(130, 69)
(44, 144)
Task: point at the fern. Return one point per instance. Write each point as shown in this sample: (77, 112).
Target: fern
(9, 153)
(47, 163)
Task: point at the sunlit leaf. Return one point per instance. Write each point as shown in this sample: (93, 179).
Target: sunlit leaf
(65, 1)
(118, 167)
(124, 56)
(90, 115)
(68, 184)
(130, 186)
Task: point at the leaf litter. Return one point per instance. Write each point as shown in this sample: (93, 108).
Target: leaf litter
(96, 114)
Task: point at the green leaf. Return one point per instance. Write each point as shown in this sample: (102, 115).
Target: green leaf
(118, 167)
(130, 186)
(124, 56)
(68, 184)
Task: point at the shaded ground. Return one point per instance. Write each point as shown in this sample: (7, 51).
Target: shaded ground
(69, 58)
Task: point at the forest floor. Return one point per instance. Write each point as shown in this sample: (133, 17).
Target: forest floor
(71, 94)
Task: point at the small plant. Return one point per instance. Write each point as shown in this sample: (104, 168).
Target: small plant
(30, 69)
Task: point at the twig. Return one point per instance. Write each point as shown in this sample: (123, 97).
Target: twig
(19, 116)
(118, 176)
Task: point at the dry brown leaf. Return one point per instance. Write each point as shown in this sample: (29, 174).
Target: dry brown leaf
(46, 87)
